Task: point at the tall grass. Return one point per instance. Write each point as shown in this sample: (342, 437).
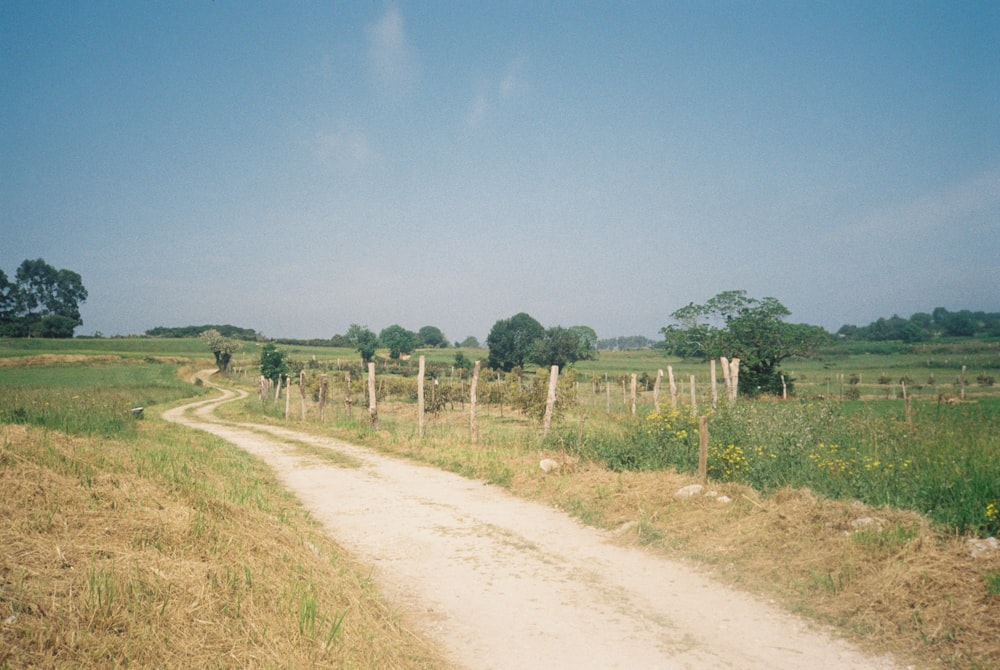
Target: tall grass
(87, 399)
(942, 462)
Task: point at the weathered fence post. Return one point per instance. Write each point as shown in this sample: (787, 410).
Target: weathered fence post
(727, 377)
(961, 384)
(784, 388)
(500, 391)
(372, 408)
(734, 373)
(703, 448)
(551, 399)
(288, 393)
(323, 389)
(715, 388)
(656, 390)
(302, 391)
(473, 419)
(420, 397)
(634, 380)
(673, 386)
(347, 392)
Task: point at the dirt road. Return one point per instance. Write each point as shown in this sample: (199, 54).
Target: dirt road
(505, 583)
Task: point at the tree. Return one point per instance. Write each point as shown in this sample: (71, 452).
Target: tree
(43, 301)
(588, 341)
(398, 340)
(510, 341)
(562, 347)
(273, 363)
(363, 340)
(8, 306)
(470, 342)
(736, 326)
(223, 348)
(431, 336)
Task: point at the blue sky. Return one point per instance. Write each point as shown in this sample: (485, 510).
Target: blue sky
(298, 167)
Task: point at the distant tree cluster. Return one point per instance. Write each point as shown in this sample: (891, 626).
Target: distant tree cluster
(233, 332)
(922, 326)
(626, 343)
(522, 339)
(41, 301)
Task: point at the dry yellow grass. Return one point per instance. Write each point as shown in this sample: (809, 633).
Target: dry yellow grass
(104, 562)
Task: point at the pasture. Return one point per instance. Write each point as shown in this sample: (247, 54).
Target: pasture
(800, 473)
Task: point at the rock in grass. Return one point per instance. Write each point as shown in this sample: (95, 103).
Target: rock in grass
(548, 465)
(689, 491)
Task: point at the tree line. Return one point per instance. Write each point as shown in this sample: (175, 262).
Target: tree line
(41, 301)
(924, 326)
(234, 332)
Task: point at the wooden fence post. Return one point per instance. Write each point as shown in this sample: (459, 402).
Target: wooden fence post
(734, 373)
(347, 392)
(727, 377)
(302, 391)
(673, 386)
(961, 384)
(473, 419)
(634, 380)
(323, 389)
(420, 397)
(288, 393)
(372, 407)
(715, 388)
(656, 390)
(703, 448)
(551, 399)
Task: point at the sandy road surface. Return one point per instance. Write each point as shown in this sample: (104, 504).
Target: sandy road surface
(505, 583)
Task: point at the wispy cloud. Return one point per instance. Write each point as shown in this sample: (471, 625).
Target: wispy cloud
(392, 61)
(511, 83)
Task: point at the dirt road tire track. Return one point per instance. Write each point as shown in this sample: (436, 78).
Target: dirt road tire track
(505, 583)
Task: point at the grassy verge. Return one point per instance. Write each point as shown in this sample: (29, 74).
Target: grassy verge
(889, 579)
(149, 545)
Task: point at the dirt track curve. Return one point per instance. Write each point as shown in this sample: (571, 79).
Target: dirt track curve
(505, 583)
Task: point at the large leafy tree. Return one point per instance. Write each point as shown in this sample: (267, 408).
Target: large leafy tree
(398, 340)
(43, 301)
(510, 341)
(363, 340)
(754, 330)
(563, 346)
